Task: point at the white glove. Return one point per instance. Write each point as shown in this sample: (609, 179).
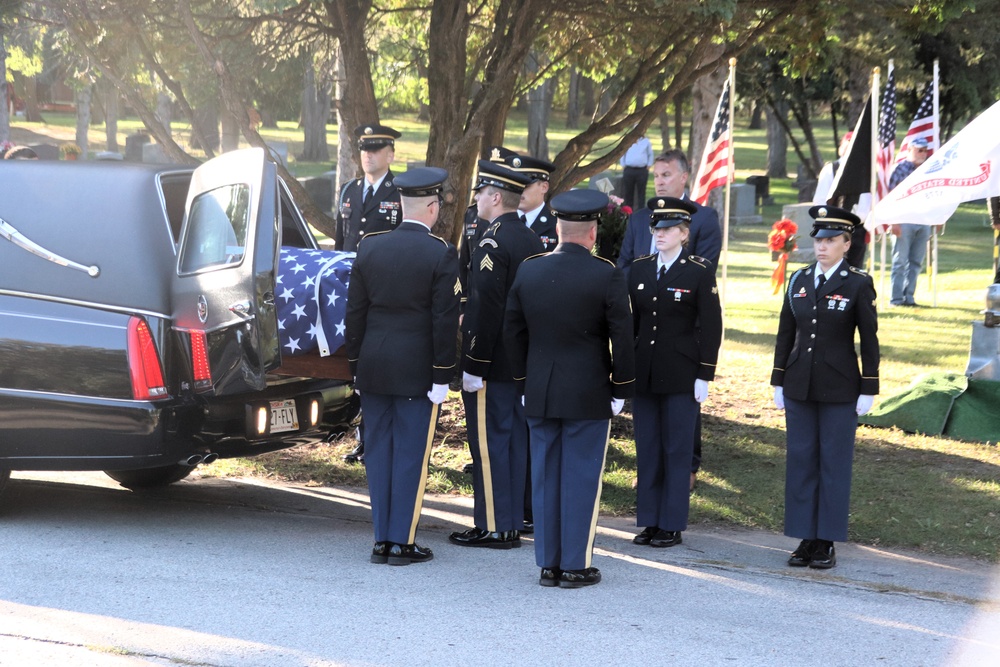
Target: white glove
(522, 400)
(779, 398)
(700, 390)
(471, 383)
(356, 390)
(438, 393)
(864, 404)
(616, 405)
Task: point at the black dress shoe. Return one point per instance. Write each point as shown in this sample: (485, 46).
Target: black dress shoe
(803, 555)
(404, 554)
(468, 468)
(550, 576)
(460, 535)
(380, 552)
(825, 556)
(528, 527)
(357, 455)
(579, 578)
(665, 538)
(507, 539)
(645, 536)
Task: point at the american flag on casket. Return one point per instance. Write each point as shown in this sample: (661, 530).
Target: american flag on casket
(312, 299)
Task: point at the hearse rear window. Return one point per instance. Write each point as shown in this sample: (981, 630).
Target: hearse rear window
(217, 229)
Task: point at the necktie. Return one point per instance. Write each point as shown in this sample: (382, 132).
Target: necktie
(368, 194)
(522, 218)
(659, 278)
(821, 281)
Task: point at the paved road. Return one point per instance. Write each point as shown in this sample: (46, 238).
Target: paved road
(229, 573)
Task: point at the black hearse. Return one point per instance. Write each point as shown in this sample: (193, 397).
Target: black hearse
(138, 332)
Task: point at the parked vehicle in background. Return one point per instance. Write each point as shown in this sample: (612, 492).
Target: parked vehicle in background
(138, 328)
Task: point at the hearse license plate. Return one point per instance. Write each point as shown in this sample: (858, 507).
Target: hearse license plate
(283, 416)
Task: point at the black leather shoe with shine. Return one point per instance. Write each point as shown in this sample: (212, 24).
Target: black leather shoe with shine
(404, 554)
(528, 528)
(646, 535)
(460, 535)
(825, 556)
(357, 455)
(579, 578)
(550, 576)
(665, 538)
(803, 554)
(507, 539)
(380, 552)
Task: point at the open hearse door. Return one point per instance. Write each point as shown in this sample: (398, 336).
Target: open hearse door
(223, 291)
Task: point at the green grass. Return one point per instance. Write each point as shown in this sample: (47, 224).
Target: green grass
(932, 493)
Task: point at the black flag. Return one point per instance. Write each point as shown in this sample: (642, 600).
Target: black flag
(854, 174)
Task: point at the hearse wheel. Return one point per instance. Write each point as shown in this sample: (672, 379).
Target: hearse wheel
(150, 478)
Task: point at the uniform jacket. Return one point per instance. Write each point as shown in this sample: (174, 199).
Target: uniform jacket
(814, 355)
(678, 324)
(704, 236)
(569, 334)
(402, 312)
(544, 227)
(381, 213)
(495, 260)
(473, 229)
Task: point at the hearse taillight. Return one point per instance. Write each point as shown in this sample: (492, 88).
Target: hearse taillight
(199, 360)
(144, 362)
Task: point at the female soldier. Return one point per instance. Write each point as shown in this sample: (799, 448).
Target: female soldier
(817, 383)
(678, 329)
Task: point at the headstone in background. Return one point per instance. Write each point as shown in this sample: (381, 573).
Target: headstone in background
(320, 189)
(804, 184)
(743, 205)
(45, 151)
(762, 188)
(133, 146)
(413, 164)
(611, 177)
(153, 154)
(799, 214)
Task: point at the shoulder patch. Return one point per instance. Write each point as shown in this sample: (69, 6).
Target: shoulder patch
(488, 241)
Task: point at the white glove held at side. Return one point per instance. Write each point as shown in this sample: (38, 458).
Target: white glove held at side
(471, 383)
(616, 405)
(779, 398)
(865, 404)
(700, 390)
(438, 393)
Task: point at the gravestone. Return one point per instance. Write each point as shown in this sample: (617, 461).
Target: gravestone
(133, 146)
(108, 156)
(153, 154)
(743, 205)
(320, 189)
(45, 151)
(799, 214)
(614, 179)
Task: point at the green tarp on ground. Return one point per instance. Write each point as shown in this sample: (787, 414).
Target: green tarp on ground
(943, 404)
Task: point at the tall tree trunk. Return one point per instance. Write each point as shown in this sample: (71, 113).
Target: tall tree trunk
(679, 121)
(705, 94)
(315, 111)
(664, 121)
(589, 106)
(756, 116)
(539, 102)
(230, 131)
(423, 109)
(164, 109)
(4, 101)
(573, 99)
(777, 140)
(83, 119)
(29, 93)
(206, 120)
(110, 115)
(347, 157)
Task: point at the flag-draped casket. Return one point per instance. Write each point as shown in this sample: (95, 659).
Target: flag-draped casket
(311, 298)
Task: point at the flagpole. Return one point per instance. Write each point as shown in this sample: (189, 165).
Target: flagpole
(874, 171)
(935, 144)
(729, 181)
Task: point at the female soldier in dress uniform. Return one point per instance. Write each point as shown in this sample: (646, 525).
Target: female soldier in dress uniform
(817, 383)
(678, 330)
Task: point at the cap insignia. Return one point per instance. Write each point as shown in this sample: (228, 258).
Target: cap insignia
(368, 130)
(822, 212)
(660, 203)
(516, 162)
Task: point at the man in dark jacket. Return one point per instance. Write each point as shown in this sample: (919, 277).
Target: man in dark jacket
(569, 335)
(401, 325)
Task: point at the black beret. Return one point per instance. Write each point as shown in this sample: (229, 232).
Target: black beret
(421, 181)
(537, 169)
(832, 221)
(667, 212)
(374, 136)
(499, 175)
(579, 205)
(499, 153)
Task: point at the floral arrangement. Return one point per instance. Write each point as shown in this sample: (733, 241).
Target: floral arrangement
(5, 146)
(69, 151)
(611, 231)
(781, 241)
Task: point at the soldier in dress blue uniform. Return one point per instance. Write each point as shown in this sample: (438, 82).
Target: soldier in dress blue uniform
(569, 336)
(678, 330)
(494, 415)
(818, 385)
(401, 324)
(537, 214)
(368, 204)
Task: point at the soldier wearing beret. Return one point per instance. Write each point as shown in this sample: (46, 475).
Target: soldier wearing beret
(401, 324)
(493, 412)
(678, 329)
(818, 385)
(368, 204)
(569, 335)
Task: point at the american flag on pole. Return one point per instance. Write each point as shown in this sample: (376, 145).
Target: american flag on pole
(886, 136)
(715, 164)
(925, 125)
